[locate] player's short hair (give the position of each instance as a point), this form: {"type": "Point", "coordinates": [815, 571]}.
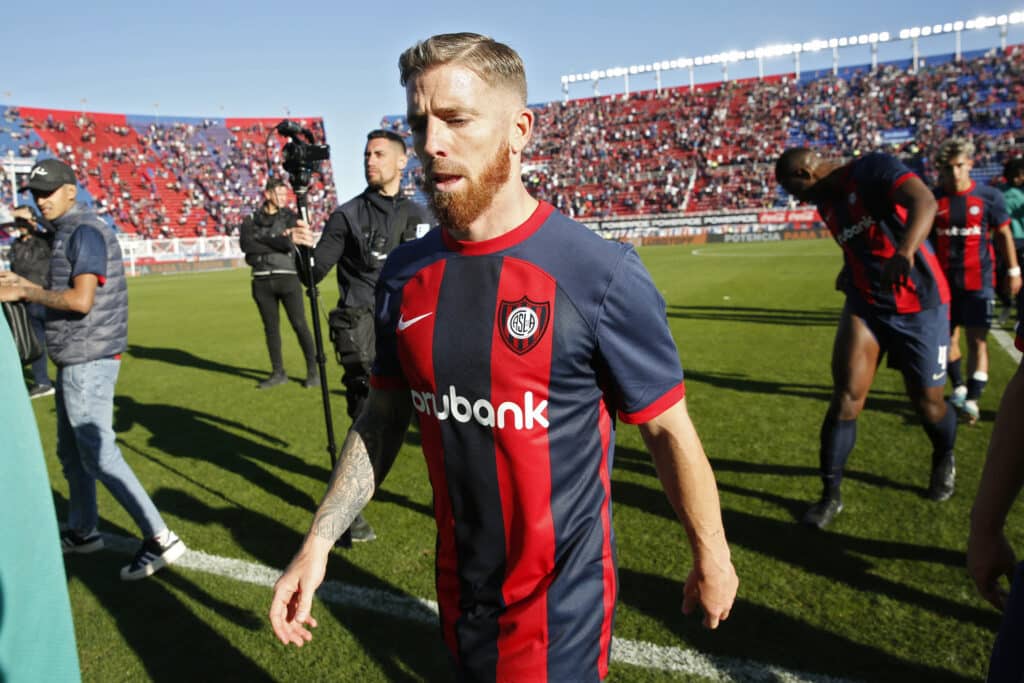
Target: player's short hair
{"type": "Point", "coordinates": [791, 159]}
{"type": "Point", "coordinates": [952, 148]}
{"type": "Point", "coordinates": [496, 63]}
{"type": "Point", "coordinates": [387, 135]}
{"type": "Point", "coordinates": [1013, 168]}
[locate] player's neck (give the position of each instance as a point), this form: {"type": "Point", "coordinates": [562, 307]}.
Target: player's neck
{"type": "Point", "coordinates": [509, 209]}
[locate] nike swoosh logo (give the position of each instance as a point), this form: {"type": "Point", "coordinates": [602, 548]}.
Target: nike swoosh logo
{"type": "Point", "coordinates": [939, 375]}
{"type": "Point", "coordinates": [403, 324]}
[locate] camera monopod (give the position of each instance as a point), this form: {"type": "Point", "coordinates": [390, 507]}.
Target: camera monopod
{"type": "Point", "coordinates": [301, 160]}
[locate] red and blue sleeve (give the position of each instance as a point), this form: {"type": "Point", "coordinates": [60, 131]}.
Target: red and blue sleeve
{"type": "Point", "coordinates": [87, 252]}
{"type": "Point", "coordinates": [635, 342]}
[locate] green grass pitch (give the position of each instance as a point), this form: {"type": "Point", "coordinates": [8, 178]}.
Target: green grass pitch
{"type": "Point", "coordinates": [881, 596]}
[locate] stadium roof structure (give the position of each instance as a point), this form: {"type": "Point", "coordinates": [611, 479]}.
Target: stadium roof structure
{"type": "Point", "coordinates": [794, 50]}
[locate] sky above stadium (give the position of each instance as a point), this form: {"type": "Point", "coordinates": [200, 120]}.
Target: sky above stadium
{"type": "Point", "coordinates": [338, 60]}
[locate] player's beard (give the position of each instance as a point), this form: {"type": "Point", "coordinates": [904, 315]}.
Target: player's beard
{"type": "Point", "coordinates": [457, 210]}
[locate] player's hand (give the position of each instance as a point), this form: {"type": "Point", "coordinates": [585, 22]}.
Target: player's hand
{"type": "Point", "coordinates": [300, 234]}
{"type": "Point", "coordinates": [1013, 283]}
{"type": "Point", "coordinates": [12, 293]}
{"type": "Point", "coordinates": [896, 271]}
{"type": "Point", "coordinates": [990, 557]}
{"type": "Point", "coordinates": [713, 590]}
{"type": "Point", "coordinates": [290, 610]}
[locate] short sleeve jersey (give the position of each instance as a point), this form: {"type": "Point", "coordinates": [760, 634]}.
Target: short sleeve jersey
{"type": "Point", "coordinates": [962, 236]}
{"type": "Point", "coordinates": [518, 352]}
{"type": "Point", "coordinates": [868, 224]}
{"type": "Point", "coordinates": [87, 252]}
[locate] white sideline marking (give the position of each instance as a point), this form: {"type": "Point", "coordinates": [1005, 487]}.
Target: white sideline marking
{"type": "Point", "coordinates": [1006, 341]}
{"type": "Point", "coordinates": [637, 653]}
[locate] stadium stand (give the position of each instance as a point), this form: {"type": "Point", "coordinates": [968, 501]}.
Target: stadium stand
{"type": "Point", "coordinates": [161, 177]}
{"type": "Point", "coordinates": [646, 153]}
{"type": "Point", "coordinates": [714, 148]}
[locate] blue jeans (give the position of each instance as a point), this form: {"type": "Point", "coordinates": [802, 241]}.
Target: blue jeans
{"type": "Point", "coordinates": [1007, 663]}
{"type": "Point", "coordinates": [87, 449]}
{"type": "Point", "coordinates": [37, 316]}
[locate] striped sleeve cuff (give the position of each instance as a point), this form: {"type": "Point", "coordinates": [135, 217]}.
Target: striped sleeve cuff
{"type": "Point", "coordinates": [656, 408]}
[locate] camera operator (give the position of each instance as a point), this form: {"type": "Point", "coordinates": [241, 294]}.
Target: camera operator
{"type": "Point", "coordinates": [357, 238]}
{"type": "Point", "coordinates": [274, 280]}
{"type": "Point", "coordinates": [30, 258]}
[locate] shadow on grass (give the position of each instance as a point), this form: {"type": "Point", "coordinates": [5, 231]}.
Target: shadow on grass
{"type": "Point", "coordinates": [835, 556]}
{"type": "Point", "coordinates": [399, 645]}
{"type": "Point", "coordinates": [823, 317]}
{"type": "Point", "coordinates": [171, 642]}
{"type": "Point", "coordinates": [182, 358]}
{"type": "Point", "coordinates": [640, 462]}
{"type": "Point", "coordinates": [890, 402]}
{"type": "Point", "coordinates": [758, 633]}
{"type": "Point", "coordinates": [185, 433]}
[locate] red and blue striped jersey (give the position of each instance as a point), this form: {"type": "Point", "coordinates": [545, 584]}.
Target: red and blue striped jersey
{"type": "Point", "coordinates": [518, 352]}
{"type": "Point", "coordinates": [869, 226]}
{"type": "Point", "coordinates": [962, 238]}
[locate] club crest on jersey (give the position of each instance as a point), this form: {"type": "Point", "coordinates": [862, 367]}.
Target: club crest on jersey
{"type": "Point", "coordinates": [522, 323]}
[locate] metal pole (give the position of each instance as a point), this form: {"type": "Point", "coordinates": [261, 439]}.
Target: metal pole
{"type": "Point", "coordinates": [625, 80]}
{"type": "Point", "coordinates": [835, 60]}
{"type": "Point", "coordinates": [597, 92]}
{"type": "Point", "coordinates": [657, 79]}
{"type": "Point", "coordinates": [760, 68]}
{"type": "Point", "coordinates": [692, 86]}
{"type": "Point", "coordinates": [1002, 38]}
{"type": "Point", "coordinates": [958, 49]}
{"type": "Point", "coordinates": [874, 56]}
{"type": "Point", "coordinates": [725, 72]}
{"type": "Point", "coordinates": [565, 91]}
{"type": "Point", "coordinates": [796, 64]}
{"type": "Point", "coordinates": [913, 65]}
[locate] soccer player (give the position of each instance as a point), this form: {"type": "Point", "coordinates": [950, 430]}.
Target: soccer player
{"type": "Point", "coordinates": [967, 218]}
{"type": "Point", "coordinates": [897, 302]}
{"type": "Point", "coordinates": [989, 555]}
{"type": "Point", "coordinates": [516, 335]}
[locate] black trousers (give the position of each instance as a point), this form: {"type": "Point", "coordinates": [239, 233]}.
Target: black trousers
{"type": "Point", "coordinates": [270, 290]}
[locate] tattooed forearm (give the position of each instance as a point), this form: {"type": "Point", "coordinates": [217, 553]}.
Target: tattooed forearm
{"type": "Point", "coordinates": [366, 456]}
{"type": "Point", "coordinates": [349, 489]}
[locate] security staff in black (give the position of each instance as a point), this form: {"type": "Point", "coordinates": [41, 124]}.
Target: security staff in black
{"type": "Point", "coordinates": [274, 280]}
{"type": "Point", "coordinates": [357, 238]}
{"type": "Point", "coordinates": [30, 258]}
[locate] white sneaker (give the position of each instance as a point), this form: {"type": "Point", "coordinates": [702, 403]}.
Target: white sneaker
{"type": "Point", "coordinates": [152, 557]}
{"type": "Point", "coordinates": [971, 412]}
{"type": "Point", "coordinates": [958, 397]}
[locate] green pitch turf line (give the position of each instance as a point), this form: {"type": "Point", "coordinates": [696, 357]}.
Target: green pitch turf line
{"type": "Point", "coordinates": [636, 653]}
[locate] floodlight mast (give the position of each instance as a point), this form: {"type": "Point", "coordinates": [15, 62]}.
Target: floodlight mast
{"type": "Point", "coordinates": [913, 35]}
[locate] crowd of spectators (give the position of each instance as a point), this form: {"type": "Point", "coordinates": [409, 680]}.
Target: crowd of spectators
{"type": "Point", "coordinates": [709, 148]}
{"type": "Point", "coordinates": [169, 178]}
{"type": "Point", "coordinates": [713, 148]}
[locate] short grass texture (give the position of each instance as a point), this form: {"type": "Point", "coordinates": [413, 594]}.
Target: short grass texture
{"type": "Point", "coordinates": [881, 596]}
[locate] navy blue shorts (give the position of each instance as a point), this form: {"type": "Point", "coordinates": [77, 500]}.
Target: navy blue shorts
{"type": "Point", "coordinates": [971, 309]}
{"type": "Point", "coordinates": [917, 343]}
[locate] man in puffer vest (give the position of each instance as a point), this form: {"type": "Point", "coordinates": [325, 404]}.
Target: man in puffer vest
{"type": "Point", "coordinates": [86, 302]}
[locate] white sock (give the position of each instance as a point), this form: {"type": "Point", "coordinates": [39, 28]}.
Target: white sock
{"type": "Point", "coordinates": [163, 537]}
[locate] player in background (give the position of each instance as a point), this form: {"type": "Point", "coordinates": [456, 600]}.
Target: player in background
{"type": "Point", "coordinates": [897, 303]}
{"type": "Point", "coordinates": [969, 218]}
